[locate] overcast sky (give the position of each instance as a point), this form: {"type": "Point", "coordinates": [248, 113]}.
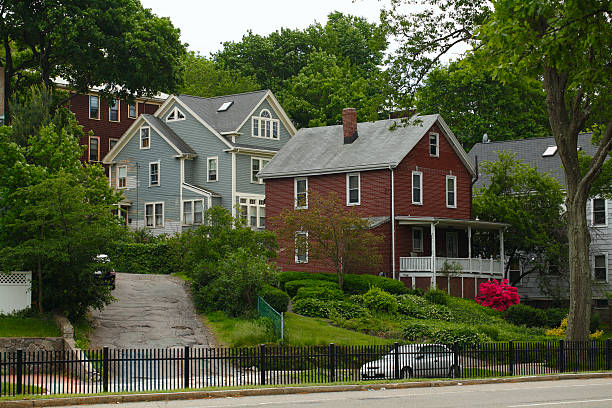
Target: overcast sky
{"type": "Point", "coordinates": [205, 24]}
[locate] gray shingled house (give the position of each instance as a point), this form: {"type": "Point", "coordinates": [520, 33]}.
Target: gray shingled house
{"type": "Point", "coordinates": [542, 154]}
{"type": "Point", "coordinates": [194, 153]}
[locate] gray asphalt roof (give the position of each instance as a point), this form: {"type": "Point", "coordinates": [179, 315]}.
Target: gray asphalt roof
{"type": "Point", "coordinates": [530, 152]}
{"type": "Point", "coordinates": [230, 119]}
{"type": "Point", "coordinates": [169, 134]}
{"type": "Point", "coordinates": [322, 149]}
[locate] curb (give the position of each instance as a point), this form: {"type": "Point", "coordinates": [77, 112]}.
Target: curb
{"type": "Point", "coordinates": [193, 395]}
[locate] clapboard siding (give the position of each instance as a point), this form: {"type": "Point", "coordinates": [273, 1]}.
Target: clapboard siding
{"type": "Point", "coordinates": [245, 131]}
{"type": "Point", "coordinates": [243, 175]}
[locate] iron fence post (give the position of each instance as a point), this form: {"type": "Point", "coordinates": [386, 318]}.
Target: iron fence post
{"type": "Point", "coordinates": [332, 362]}
{"type": "Point", "coordinates": [561, 356]}
{"type": "Point", "coordinates": [186, 374]}
{"type": "Point", "coordinates": [19, 372]}
{"type": "Point", "coordinates": [511, 357]}
{"type": "Point", "coordinates": [105, 369]}
{"type": "Point", "coordinates": [396, 360]}
{"type": "Point", "coordinates": [609, 354]}
{"type": "Point", "coordinates": [262, 357]}
{"type": "Point", "coordinates": [456, 359]}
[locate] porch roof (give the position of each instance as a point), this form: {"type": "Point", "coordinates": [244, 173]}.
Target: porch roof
{"type": "Point", "coordinates": [410, 220]}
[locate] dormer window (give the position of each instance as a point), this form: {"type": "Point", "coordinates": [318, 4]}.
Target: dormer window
{"type": "Point", "coordinates": [174, 115]}
{"type": "Point", "coordinates": [264, 126]}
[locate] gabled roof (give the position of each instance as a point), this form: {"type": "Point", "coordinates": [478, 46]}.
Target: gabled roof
{"type": "Point", "coordinates": [530, 151]}
{"type": "Point", "coordinates": [169, 134]}
{"type": "Point", "coordinates": [380, 144]}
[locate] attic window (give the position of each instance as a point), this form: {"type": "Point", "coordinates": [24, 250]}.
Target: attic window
{"type": "Point", "coordinates": [174, 115]}
{"type": "Point", "coordinates": [225, 106]}
{"type": "Point", "coordinates": [550, 151]}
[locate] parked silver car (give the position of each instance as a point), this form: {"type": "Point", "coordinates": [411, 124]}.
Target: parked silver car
{"type": "Point", "coordinates": [415, 361]}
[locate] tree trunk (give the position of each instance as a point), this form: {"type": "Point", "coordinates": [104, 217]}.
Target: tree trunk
{"type": "Point", "coordinates": [341, 273]}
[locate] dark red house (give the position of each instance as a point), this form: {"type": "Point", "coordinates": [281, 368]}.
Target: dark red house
{"type": "Point", "coordinates": [411, 179]}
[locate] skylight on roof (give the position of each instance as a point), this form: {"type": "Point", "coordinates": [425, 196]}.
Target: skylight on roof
{"type": "Point", "coordinates": [550, 151]}
{"type": "Point", "coordinates": [225, 106]}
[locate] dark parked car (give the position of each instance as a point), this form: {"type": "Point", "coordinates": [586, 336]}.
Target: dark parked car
{"type": "Point", "coordinates": [104, 273]}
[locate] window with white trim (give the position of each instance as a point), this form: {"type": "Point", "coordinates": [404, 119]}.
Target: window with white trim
{"type": "Point", "coordinates": [154, 215]}
{"type": "Point", "coordinates": [94, 107]}
{"type": "Point", "coordinates": [145, 137]}
{"type": "Point", "coordinates": [94, 148]}
{"type": "Point", "coordinates": [264, 126]}
{"type": "Point", "coordinates": [112, 142]}
{"type": "Point", "coordinates": [257, 164]}
{"type": "Point", "coordinates": [417, 187]}
{"type": "Point", "coordinates": [132, 110]}
{"type": "Point", "coordinates": [353, 189]}
{"type": "Point", "coordinates": [175, 115]}
{"type": "Point", "coordinates": [434, 144]}
{"type": "Point", "coordinates": [599, 211]}
{"type": "Point", "coordinates": [113, 111]}
{"type": "Point", "coordinates": [451, 191]}
{"type": "Point", "coordinates": [122, 177]}
{"type": "Point", "coordinates": [417, 239]}
{"type": "Point", "coordinates": [193, 212]}
{"type": "Point", "coordinates": [301, 247]}
{"type": "Point", "coordinates": [253, 211]}
{"type": "Point", "coordinates": [600, 267]}
{"type": "Point", "coordinates": [300, 188]}
{"type": "Point", "coordinates": [154, 173]}
{"type": "Point", "coordinates": [212, 169]}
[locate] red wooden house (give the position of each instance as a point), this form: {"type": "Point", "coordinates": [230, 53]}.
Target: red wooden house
{"type": "Point", "coordinates": [411, 179]}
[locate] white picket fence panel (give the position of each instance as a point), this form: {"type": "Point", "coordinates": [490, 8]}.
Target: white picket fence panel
{"type": "Point", "coordinates": [15, 291]}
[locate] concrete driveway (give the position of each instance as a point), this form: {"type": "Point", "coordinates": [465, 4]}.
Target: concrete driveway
{"type": "Point", "coordinates": [151, 311]}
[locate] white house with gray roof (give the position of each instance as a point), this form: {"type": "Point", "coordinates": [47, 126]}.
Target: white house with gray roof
{"type": "Point", "coordinates": [194, 153]}
{"type": "Point", "coordinates": [541, 153]}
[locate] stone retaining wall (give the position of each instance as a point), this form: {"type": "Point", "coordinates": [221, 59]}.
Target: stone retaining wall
{"type": "Point", "coordinates": [30, 344]}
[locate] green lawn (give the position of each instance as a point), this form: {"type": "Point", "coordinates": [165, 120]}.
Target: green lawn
{"type": "Point", "coordinates": [10, 388]}
{"type": "Point", "coordinates": [37, 326]}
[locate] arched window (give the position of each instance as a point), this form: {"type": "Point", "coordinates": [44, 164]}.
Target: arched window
{"type": "Point", "coordinates": [264, 126]}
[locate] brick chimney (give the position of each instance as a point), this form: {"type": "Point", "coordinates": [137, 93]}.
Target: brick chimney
{"type": "Point", "coordinates": [349, 125]}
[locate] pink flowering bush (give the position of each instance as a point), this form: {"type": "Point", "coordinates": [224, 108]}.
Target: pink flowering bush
{"type": "Point", "coordinates": [496, 295]}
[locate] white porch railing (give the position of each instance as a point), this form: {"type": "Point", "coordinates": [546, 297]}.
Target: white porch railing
{"type": "Point", "coordinates": [469, 266]}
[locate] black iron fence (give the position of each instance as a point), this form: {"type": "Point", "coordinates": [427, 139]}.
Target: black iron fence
{"type": "Point", "coordinates": [117, 370]}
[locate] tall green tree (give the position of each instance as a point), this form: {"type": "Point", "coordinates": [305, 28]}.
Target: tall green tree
{"type": "Point", "coordinates": [117, 45]}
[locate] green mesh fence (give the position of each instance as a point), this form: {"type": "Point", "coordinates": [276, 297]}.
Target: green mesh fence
{"type": "Point", "coordinates": [265, 310]}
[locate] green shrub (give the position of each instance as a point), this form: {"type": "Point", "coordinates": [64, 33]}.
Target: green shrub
{"type": "Point", "coordinates": [555, 315]}
{"type": "Point", "coordinates": [311, 307]}
{"type": "Point", "coordinates": [276, 298]}
{"type": "Point", "coordinates": [524, 315]}
{"type": "Point", "coordinates": [463, 336]}
{"type": "Point", "coordinates": [416, 331]}
{"type": "Point", "coordinates": [347, 310]}
{"type": "Point", "coordinates": [436, 296]}
{"type": "Point", "coordinates": [154, 258]}
{"type": "Point", "coordinates": [292, 287]}
{"type": "Point", "coordinates": [321, 293]}
{"type": "Point", "coordinates": [491, 332]}
{"type": "Point", "coordinates": [289, 276]}
{"type": "Point", "coordinates": [380, 300]}
{"type": "Point", "coordinates": [321, 308]}
{"type": "Point", "coordinates": [595, 322]}
{"type": "Point", "coordinates": [358, 284]}
{"type": "Point", "coordinates": [416, 292]}
{"type": "Point", "coordinates": [418, 307]}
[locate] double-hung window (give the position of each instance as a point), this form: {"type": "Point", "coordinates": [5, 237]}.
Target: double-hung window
{"type": "Point", "coordinates": [193, 212]}
{"type": "Point", "coordinates": [598, 206]}
{"type": "Point", "coordinates": [264, 126]}
{"type": "Point", "coordinates": [253, 211]}
{"type": "Point", "coordinates": [417, 187]}
{"type": "Point", "coordinates": [113, 111]}
{"type": "Point", "coordinates": [112, 142]}
{"type": "Point", "coordinates": [300, 188]}
{"type": "Point", "coordinates": [434, 145]}
{"type": "Point", "coordinates": [122, 177]}
{"type": "Point", "coordinates": [94, 107]}
{"type": "Point", "coordinates": [154, 174]}
{"type": "Point", "coordinates": [154, 215]}
{"type": "Point", "coordinates": [417, 239]}
{"type": "Point", "coordinates": [301, 247]}
{"type": "Point", "coordinates": [600, 268]}
{"type": "Point", "coordinates": [451, 191]}
{"type": "Point", "coordinates": [132, 110]}
{"type": "Point", "coordinates": [145, 138]}
{"type": "Point", "coordinates": [257, 165]}
{"type": "Point", "coordinates": [212, 169]}
{"type": "Point", "coordinates": [94, 148]}
{"type": "Point", "coordinates": [353, 189]}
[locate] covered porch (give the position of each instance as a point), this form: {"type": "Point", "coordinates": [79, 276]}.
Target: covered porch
{"type": "Point", "coordinates": [437, 251]}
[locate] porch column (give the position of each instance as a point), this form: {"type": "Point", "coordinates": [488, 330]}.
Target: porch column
{"type": "Point", "coordinates": [433, 255]}
{"type": "Point", "coordinates": [501, 250]}
{"type": "Point", "coordinates": [469, 249]}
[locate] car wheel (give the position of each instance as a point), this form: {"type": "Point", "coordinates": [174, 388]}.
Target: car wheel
{"type": "Point", "coordinates": [455, 372]}
{"type": "Point", "coordinates": [406, 373]}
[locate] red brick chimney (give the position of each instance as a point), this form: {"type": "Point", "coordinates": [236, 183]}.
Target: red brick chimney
{"type": "Point", "coordinates": [349, 124]}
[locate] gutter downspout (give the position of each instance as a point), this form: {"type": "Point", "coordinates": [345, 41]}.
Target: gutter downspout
{"type": "Point", "coordinates": [392, 222]}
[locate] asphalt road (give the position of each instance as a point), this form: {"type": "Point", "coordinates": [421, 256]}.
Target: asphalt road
{"type": "Point", "coordinates": [151, 311]}
{"type": "Point", "coordinates": [546, 394]}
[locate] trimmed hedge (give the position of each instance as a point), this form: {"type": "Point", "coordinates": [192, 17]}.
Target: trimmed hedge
{"type": "Point", "coordinates": [150, 258]}
{"type": "Point", "coordinates": [379, 300]}
{"type": "Point", "coordinates": [325, 309]}
{"type": "Point", "coordinates": [319, 292]}
{"type": "Point", "coordinates": [276, 298]}
{"type": "Point", "coordinates": [419, 308]}
{"type": "Point", "coordinates": [292, 287]}
{"type": "Point", "coordinates": [525, 315]}
{"type": "Point", "coordinates": [436, 296]}
{"type": "Point", "coordinates": [353, 284]}
{"type": "Point", "coordinates": [289, 276]}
